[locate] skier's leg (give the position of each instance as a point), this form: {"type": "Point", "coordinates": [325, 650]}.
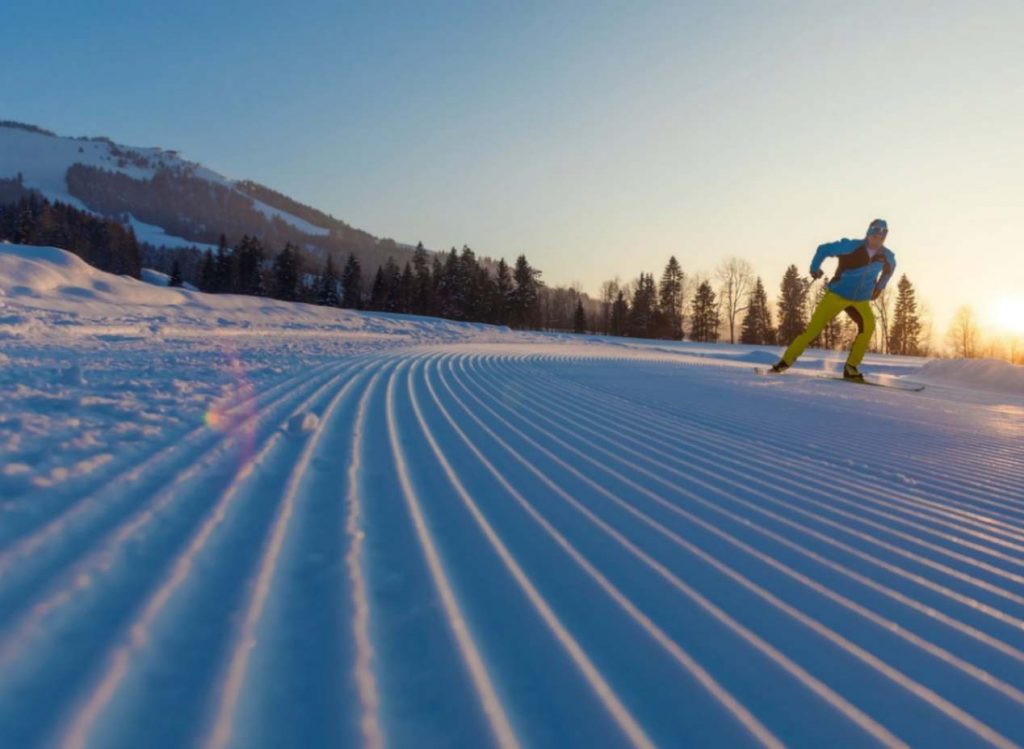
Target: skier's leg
{"type": "Point", "coordinates": [865, 319]}
{"type": "Point", "coordinates": [829, 306]}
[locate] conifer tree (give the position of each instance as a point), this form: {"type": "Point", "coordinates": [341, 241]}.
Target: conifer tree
{"type": "Point", "coordinates": [436, 271]}
{"type": "Point", "coordinates": [392, 286]}
{"type": "Point", "coordinates": [242, 265]}
{"type": "Point", "coordinates": [379, 290]}
{"type": "Point", "coordinates": [469, 282]}
{"type": "Point", "coordinates": [486, 300]}
{"type": "Point", "coordinates": [327, 286]}
{"type": "Point", "coordinates": [905, 336]}
{"type": "Point", "coordinates": [448, 297]}
{"type": "Point", "coordinates": [250, 267]}
{"type": "Point", "coordinates": [352, 284]}
{"type": "Point", "coordinates": [792, 306]}
{"type": "Point", "coordinates": [704, 318]}
{"type": "Point", "coordinates": [257, 281]}
{"type": "Point", "coordinates": [25, 228]}
{"type": "Point", "coordinates": [423, 285]}
{"type": "Point", "coordinates": [670, 299]}
{"type": "Point", "coordinates": [226, 276]}
{"type": "Point", "coordinates": [176, 280]}
{"type": "Point", "coordinates": [406, 289]}
{"type": "Point", "coordinates": [620, 315]}
{"type": "Point", "coordinates": [524, 308]}
{"type": "Point", "coordinates": [757, 323]}
{"type": "Point", "coordinates": [641, 311]}
{"type": "Point", "coordinates": [579, 324]}
{"type": "Point", "coordinates": [208, 273]}
{"type": "Point", "coordinates": [502, 293]}
{"type": "Point", "coordinates": [286, 274]}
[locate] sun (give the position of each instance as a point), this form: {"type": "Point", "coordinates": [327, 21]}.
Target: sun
{"type": "Point", "coordinates": [1007, 315]}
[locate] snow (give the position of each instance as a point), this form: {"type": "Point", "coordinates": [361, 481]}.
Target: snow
{"type": "Point", "coordinates": [299, 223]}
{"type": "Point", "coordinates": [158, 278]}
{"type": "Point", "coordinates": [228, 521]}
{"type": "Point", "coordinates": [43, 161]}
{"type": "Point", "coordinates": [987, 374]}
{"type": "Point", "coordinates": [157, 237]}
{"type": "Point", "coordinates": [303, 423]}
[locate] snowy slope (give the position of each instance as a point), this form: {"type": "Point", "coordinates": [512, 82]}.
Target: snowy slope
{"type": "Point", "coordinates": [297, 534]}
{"type": "Point", "coordinates": [43, 160]}
{"type": "Point", "coordinates": [157, 237]}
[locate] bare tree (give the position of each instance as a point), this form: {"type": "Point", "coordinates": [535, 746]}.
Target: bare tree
{"type": "Point", "coordinates": [629, 287]}
{"type": "Point", "coordinates": [1015, 350]}
{"type": "Point", "coordinates": [882, 307]}
{"type": "Point", "coordinates": [736, 279]}
{"type": "Point", "coordinates": [964, 336]}
{"type": "Point", "coordinates": [609, 290]}
{"type": "Point", "coordinates": [927, 329]}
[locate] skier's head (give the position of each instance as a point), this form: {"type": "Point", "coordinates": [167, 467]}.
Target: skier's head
{"type": "Point", "coordinates": [878, 226]}
{"type": "Point", "coordinates": [877, 231]}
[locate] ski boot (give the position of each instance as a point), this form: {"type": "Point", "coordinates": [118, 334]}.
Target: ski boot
{"type": "Point", "coordinates": [850, 372]}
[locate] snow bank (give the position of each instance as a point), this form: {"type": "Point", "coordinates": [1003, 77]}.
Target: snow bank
{"type": "Point", "coordinates": [156, 278]}
{"type": "Point", "coordinates": [984, 374]}
{"type": "Point", "coordinates": [52, 278]}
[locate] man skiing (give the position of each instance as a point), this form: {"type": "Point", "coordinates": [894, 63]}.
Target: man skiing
{"type": "Point", "coordinates": [865, 267]}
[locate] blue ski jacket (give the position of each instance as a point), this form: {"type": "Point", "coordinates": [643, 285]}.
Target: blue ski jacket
{"type": "Point", "coordinates": [859, 276]}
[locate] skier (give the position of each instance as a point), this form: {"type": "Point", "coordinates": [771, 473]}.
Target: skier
{"type": "Point", "coordinates": [865, 267]}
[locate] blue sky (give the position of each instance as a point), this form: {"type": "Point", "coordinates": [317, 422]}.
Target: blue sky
{"type": "Point", "coordinates": [596, 137]}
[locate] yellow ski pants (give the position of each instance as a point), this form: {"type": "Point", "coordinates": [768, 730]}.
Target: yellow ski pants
{"type": "Point", "coordinates": [830, 306]}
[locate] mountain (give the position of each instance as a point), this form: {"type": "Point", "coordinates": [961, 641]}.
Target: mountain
{"type": "Point", "coordinates": [171, 202]}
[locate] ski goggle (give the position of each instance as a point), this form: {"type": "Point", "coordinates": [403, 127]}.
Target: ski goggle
{"type": "Point", "coordinates": [878, 227]}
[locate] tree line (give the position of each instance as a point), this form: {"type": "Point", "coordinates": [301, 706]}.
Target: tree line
{"type": "Point", "coordinates": [454, 285]}
{"type": "Point", "coordinates": [734, 304]}
{"type": "Point", "coordinates": [103, 243]}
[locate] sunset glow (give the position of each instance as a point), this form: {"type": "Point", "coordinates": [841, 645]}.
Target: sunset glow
{"type": "Point", "coordinates": [1006, 315]}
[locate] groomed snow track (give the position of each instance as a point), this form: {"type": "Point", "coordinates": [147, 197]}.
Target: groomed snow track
{"type": "Point", "coordinates": [501, 545]}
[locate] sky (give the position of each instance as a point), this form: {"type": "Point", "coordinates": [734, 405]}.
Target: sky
{"type": "Point", "coordinates": [598, 138]}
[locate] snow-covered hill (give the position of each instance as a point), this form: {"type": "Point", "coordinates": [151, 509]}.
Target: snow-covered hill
{"type": "Point", "coordinates": [43, 161]}
{"type": "Point", "coordinates": [171, 202]}
{"type": "Point", "coordinates": [228, 521]}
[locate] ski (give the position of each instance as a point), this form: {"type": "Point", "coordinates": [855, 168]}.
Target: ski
{"type": "Point", "coordinates": [884, 381]}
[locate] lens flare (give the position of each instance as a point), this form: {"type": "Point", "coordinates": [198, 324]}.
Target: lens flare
{"type": "Point", "coordinates": [215, 418]}
{"type": "Point", "coordinates": [231, 413]}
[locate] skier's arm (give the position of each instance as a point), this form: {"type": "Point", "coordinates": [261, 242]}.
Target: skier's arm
{"type": "Point", "coordinates": [890, 268]}
{"type": "Point", "coordinates": [831, 249]}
